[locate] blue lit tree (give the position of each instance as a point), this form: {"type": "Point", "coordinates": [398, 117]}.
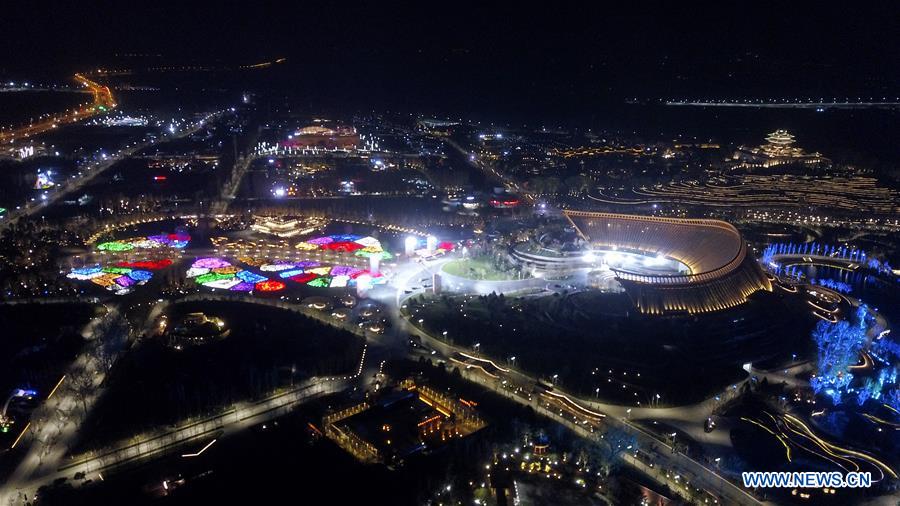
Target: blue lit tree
{"type": "Point", "coordinates": [862, 316]}
{"type": "Point", "coordinates": [863, 394]}
{"type": "Point", "coordinates": [838, 286]}
{"type": "Point", "coordinates": [838, 347]}
{"type": "Point", "coordinates": [892, 399]}
{"type": "Point", "coordinates": [887, 350]}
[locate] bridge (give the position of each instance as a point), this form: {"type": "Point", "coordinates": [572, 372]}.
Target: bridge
{"type": "Point", "coordinates": [775, 104]}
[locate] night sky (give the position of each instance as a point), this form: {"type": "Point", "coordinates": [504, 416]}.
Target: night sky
{"type": "Point", "coordinates": [457, 52]}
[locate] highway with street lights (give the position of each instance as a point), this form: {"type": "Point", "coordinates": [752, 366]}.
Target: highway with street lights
{"type": "Point", "coordinates": [102, 103]}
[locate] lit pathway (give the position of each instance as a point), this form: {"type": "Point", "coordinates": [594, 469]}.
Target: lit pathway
{"type": "Point", "coordinates": [54, 424]}
{"type": "Point", "coordinates": [240, 417]}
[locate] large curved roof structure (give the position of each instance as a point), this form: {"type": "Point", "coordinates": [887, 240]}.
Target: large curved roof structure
{"type": "Point", "coordinates": [722, 273]}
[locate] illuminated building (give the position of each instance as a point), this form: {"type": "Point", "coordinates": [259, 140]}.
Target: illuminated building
{"type": "Point", "coordinates": [321, 137]}
{"type": "Point", "coordinates": [504, 202]}
{"type": "Point", "coordinates": [437, 126]}
{"type": "Point", "coordinates": [402, 422]}
{"type": "Point", "coordinates": [195, 329]}
{"type": "Point", "coordinates": [779, 149]}
{"type": "Point", "coordinates": [780, 143]}
{"type": "Point", "coordinates": [541, 444]}
{"type": "Point", "coordinates": [721, 273]}
{"type": "Point", "coordinates": [714, 269]}
{"type": "Point", "coordinates": [286, 227]}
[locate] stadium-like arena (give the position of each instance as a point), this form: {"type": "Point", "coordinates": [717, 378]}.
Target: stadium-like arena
{"type": "Point", "coordinates": [720, 272]}
{"type": "Point", "coordinates": [665, 265]}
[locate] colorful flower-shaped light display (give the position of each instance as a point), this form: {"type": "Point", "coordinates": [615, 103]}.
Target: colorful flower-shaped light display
{"type": "Point", "coordinates": [270, 286]}
{"type": "Point", "coordinates": [277, 267]}
{"type": "Point", "coordinates": [322, 282]}
{"type": "Point", "coordinates": [214, 272]}
{"type": "Point", "coordinates": [211, 263]}
{"type": "Point", "coordinates": [322, 276]}
{"type": "Point", "coordinates": [343, 246]}
{"type": "Point", "coordinates": [153, 265]}
{"type": "Point", "coordinates": [250, 277]}
{"type": "Point", "coordinates": [116, 279]}
{"type": "Point", "coordinates": [176, 241]}
{"type": "Point", "coordinates": [303, 278]}
{"type": "Point", "coordinates": [362, 246]}
{"type": "Point", "coordinates": [321, 241]}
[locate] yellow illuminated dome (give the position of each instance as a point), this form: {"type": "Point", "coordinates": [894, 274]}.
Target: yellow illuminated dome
{"type": "Point", "coordinates": [722, 273]}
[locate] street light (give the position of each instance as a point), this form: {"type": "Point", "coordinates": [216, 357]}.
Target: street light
{"type": "Point", "coordinates": [410, 245]}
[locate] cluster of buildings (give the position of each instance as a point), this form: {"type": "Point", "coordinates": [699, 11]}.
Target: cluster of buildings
{"type": "Point", "coordinates": [335, 137]}
{"type": "Point", "coordinates": [410, 419]}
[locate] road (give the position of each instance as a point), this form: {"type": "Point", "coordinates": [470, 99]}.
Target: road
{"type": "Point", "coordinates": [93, 169]}
{"type": "Point", "coordinates": [103, 101]}
{"type": "Point", "coordinates": [490, 172]}
{"type": "Point", "coordinates": [188, 438]}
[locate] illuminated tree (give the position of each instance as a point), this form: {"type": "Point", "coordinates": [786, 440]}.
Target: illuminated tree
{"type": "Point", "coordinates": [838, 347]}
{"type": "Point", "coordinates": [866, 392]}
{"type": "Point", "coordinates": [613, 444]}
{"type": "Point", "coordinates": [892, 399]}
{"type": "Point", "coordinates": [862, 316]}
{"type": "Point", "coordinates": [886, 349]}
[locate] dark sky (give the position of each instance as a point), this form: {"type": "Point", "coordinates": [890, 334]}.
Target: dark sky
{"type": "Point", "coordinates": [723, 49]}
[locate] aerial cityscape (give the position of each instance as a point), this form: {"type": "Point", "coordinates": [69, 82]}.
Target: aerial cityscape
{"type": "Point", "coordinates": [449, 255]}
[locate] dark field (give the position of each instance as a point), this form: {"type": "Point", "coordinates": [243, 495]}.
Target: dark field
{"type": "Point", "coordinates": [154, 384]}
{"type": "Point", "coordinates": [593, 340]}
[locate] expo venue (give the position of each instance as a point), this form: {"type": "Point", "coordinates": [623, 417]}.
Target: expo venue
{"type": "Point", "coordinates": [665, 265]}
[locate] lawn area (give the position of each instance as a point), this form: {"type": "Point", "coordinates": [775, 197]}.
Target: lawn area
{"type": "Point", "coordinates": [479, 269]}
